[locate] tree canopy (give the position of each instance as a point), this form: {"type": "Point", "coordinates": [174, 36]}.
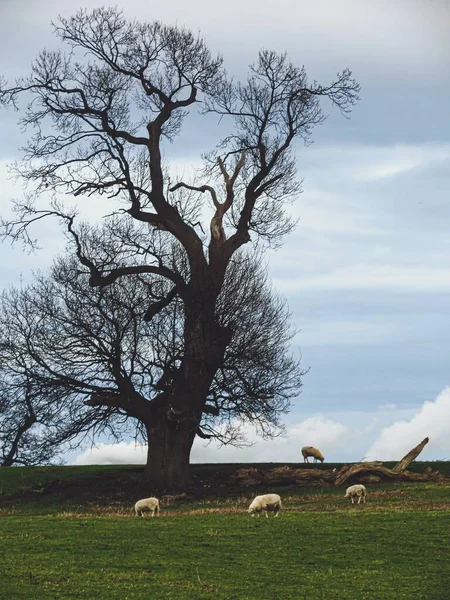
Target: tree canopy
{"type": "Point", "coordinates": [65, 345]}
{"type": "Point", "coordinates": [100, 114]}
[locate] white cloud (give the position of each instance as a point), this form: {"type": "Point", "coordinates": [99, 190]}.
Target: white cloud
{"type": "Point", "coordinates": [370, 277]}
{"type": "Point", "coordinates": [360, 228]}
{"type": "Point", "coordinates": [325, 332]}
{"type": "Point", "coordinates": [399, 39]}
{"type": "Point", "coordinates": [390, 432]}
{"type": "Point", "coordinates": [122, 453]}
{"type": "Point", "coordinates": [365, 162]}
{"type": "Point", "coordinates": [432, 420]}
{"type": "Point", "coordinates": [388, 407]}
{"type": "Point", "coordinates": [395, 160]}
{"type": "Point", "coordinates": [327, 434]}
{"type": "Point", "coordinates": [388, 169]}
{"type": "Point", "coordinates": [319, 431]}
{"type": "Point", "coordinates": [321, 211]}
{"type": "Point", "coordinates": [18, 264]}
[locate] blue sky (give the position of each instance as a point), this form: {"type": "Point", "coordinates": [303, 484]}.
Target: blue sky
{"type": "Point", "coordinates": [367, 271]}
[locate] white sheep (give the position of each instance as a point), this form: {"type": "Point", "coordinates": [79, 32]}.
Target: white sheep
{"type": "Point", "coordinates": [147, 504]}
{"type": "Point", "coordinates": [312, 452]}
{"type": "Point", "coordinates": [358, 490]}
{"type": "Point", "coordinates": [267, 502]}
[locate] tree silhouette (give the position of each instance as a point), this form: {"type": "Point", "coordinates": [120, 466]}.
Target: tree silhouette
{"type": "Point", "coordinates": [66, 345]}
{"type": "Point", "coordinates": [101, 114]}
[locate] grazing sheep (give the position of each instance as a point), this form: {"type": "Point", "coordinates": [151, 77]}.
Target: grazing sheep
{"type": "Point", "coordinates": [147, 504]}
{"type": "Point", "coordinates": [357, 490]}
{"type": "Point", "coordinates": [313, 452]}
{"type": "Point", "coordinates": [268, 502]}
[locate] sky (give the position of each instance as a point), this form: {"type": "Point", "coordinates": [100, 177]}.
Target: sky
{"type": "Point", "coordinates": [367, 270]}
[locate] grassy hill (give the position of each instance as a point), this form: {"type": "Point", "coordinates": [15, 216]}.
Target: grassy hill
{"type": "Point", "coordinates": [70, 533]}
{"type": "Point", "coordinates": [114, 487]}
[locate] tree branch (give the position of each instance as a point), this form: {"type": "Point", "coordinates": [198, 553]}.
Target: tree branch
{"type": "Point", "coordinates": [202, 189]}
{"type": "Point", "coordinates": [157, 307]}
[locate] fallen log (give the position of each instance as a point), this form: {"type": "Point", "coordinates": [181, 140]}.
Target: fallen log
{"type": "Point", "coordinates": [366, 472]}
{"type": "Point", "coordinates": [369, 472]}
{"type": "Point", "coordinates": [349, 472]}
{"type": "Point", "coordinates": [376, 471]}
{"type": "Point", "coordinates": [283, 476]}
{"type": "Point", "coordinates": [249, 476]}
{"type": "Point", "coordinates": [412, 455]}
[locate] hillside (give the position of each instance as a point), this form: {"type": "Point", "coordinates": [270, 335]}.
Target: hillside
{"type": "Point", "coordinates": [71, 533]}
{"type": "Point", "coordinates": [116, 487]}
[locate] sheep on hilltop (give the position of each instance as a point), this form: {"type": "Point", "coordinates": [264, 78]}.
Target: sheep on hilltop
{"type": "Point", "coordinates": [310, 451]}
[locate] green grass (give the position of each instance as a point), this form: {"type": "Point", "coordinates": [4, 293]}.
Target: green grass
{"type": "Point", "coordinates": [357, 554]}
{"type": "Point", "coordinates": [18, 479]}
{"type": "Point", "coordinates": [206, 546]}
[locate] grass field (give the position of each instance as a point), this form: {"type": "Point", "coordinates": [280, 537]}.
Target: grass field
{"type": "Point", "coordinates": [66, 535]}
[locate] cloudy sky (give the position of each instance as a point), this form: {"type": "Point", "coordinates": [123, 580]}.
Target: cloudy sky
{"type": "Point", "coordinates": [367, 271]}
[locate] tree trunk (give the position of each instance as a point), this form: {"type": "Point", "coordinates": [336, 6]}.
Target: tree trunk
{"type": "Point", "coordinates": [412, 455]}
{"type": "Point", "coordinates": [172, 430]}
{"type": "Point", "coordinates": [170, 441]}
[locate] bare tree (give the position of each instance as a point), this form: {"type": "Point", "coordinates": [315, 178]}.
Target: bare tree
{"type": "Point", "coordinates": [73, 344]}
{"type": "Point", "coordinates": [110, 102]}
{"type": "Point", "coordinates": [29, 416]}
